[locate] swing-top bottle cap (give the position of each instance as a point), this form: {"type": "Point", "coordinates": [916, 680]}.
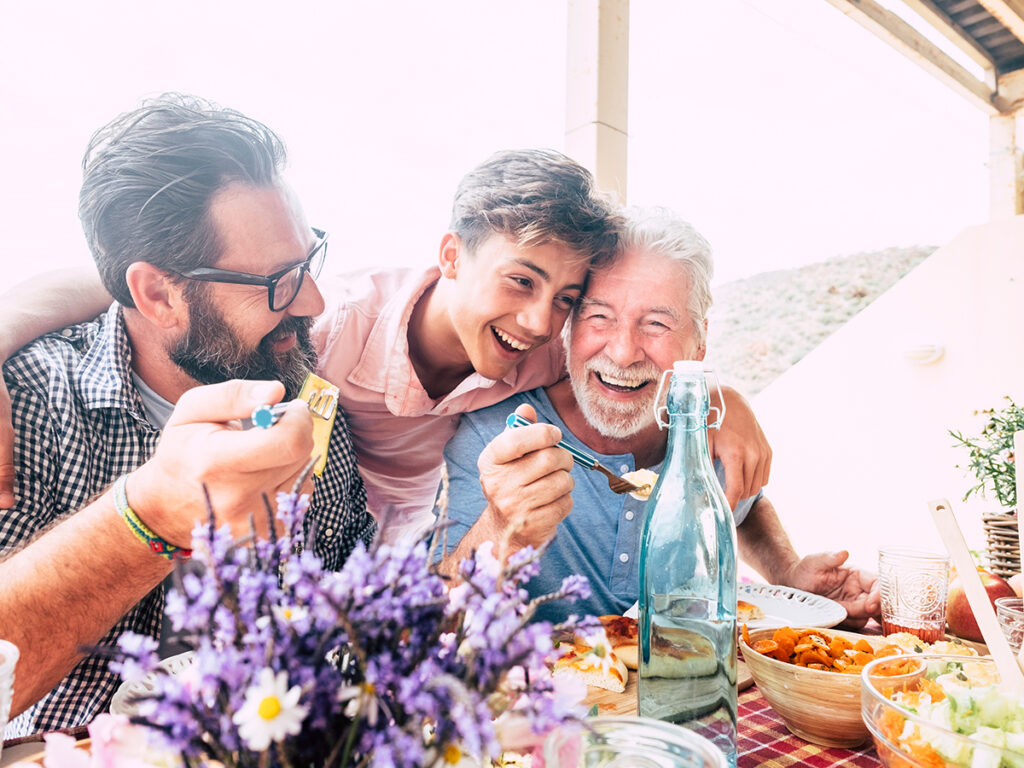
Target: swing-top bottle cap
{"type": "Point", "coordinates": [689, 367]}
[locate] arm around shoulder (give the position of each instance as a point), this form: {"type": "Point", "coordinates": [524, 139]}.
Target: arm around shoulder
{"type": "Point", "coordinates": [48, 302]}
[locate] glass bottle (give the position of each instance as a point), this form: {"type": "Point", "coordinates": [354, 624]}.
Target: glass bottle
{"type": "Point", "coordinates": [687, 622]}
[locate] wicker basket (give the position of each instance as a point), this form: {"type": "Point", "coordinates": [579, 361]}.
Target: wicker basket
{"type": "Point", "coordinates": [1002, 545]}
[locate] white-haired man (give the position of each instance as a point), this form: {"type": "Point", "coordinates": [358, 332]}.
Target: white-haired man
{"type": "Point", "coordinates": [639, 315]}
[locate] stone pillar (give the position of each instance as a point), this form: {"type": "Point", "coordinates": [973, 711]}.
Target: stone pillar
{"type": "Point", "coordinates": [597, 79]}
{"type": "Point", "coordinates": [1006, 150]}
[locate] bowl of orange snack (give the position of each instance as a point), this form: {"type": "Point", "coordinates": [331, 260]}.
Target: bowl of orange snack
{"type": "Point", "coordinates": [811, 678]}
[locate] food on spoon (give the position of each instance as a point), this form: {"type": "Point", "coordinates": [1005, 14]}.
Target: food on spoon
{"type": "Point", "coordinates": [747, 612]}
{"type": "Point", "coordinates": [646, 479]}
{"type": "Point", "coordinates": [593, 661]}
{"type": "Point", "coordinates": [624, 638]}
{"type": "Point", "coordinates": [322, 398]}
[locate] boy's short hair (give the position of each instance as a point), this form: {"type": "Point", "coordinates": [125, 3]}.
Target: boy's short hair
{"type": "Point", "coordinates": [535, 197]}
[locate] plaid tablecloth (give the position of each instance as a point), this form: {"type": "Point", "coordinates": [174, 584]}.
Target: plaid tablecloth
{"type": "Point", "coordinates": [764, 741]}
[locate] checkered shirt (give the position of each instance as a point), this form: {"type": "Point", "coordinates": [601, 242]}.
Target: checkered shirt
{"type": "Point", "coordinates": [79, 424]}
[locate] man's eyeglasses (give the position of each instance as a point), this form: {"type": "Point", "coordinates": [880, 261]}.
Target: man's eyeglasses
{"type": "Point", "coordinates": [282, 287]}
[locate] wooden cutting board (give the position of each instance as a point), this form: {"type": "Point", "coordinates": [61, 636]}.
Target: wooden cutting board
{"type": "Point", "coordinates": [609, 703]}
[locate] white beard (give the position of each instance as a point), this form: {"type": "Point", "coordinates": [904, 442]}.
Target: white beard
{"type": "Point", "coordinates": [611, 418]}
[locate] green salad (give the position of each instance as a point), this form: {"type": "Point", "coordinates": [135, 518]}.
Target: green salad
{"type": "Point", "coordinates": [962, 718]}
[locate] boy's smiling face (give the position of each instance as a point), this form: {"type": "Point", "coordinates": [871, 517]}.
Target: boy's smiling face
{"type": "Point", "coordinates": [508, 299]}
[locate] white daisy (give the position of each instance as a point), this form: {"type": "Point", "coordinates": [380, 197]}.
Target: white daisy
{"type": "Point", "coordinates": [271, 711]}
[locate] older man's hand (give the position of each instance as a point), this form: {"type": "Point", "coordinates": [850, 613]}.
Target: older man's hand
{"type": "Point", "coordinates": [199, 446]}
{"type": "Point", "coordinates": [742, 448]}
{"type": "Point", "coordinates": [855, 589]}
{"type": "Point", "coordinates": [526, 479]}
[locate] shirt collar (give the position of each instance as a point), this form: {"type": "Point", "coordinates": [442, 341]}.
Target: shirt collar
{"type": "Point", "coordinates": [104, 375]}
{"type": "Point", "coordinates": [385, 364]}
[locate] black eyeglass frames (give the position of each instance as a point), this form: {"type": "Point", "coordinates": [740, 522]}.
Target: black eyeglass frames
{"type": "Point", "coordinates": [282, 286]}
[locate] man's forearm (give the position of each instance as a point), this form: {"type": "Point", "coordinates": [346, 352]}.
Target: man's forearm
{"type": "Point", "coordinates": [67, 589]}
{"type": "Point", "coordinates": [483, 530]}
{"type": "Point", "coordinates": [764, 544]}
{"type": "Point", "coordinates": [46, 302]}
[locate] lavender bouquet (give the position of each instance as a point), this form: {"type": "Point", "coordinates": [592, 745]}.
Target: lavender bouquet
{"type": "Point", "coordinates": [378, 664]}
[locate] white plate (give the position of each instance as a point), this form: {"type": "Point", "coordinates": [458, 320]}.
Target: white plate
{"type": "Point", "coordinates": [122, 702]}
{"type": "Point", "coordinates": [785, 606]}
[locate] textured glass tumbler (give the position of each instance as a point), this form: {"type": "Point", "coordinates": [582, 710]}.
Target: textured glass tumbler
{"type": "Point", "coordinates": [8, 658]}
{"type": "Point", "coordinates": [913, 584]}
{"type": "Point", "coordinates": [630, 742]}
{"type": "Point", "coordinates": [1010, 613]}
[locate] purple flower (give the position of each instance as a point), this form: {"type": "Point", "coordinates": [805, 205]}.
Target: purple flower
{"type": "Point", "coordinates": [380, 655]}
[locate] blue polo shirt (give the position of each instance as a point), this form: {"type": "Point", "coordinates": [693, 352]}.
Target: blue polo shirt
{"type": "Point", "coordinates": [599, 539]}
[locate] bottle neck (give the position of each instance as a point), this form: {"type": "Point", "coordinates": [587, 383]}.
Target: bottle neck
{"type": "Point", "coordinates": [688, 405]}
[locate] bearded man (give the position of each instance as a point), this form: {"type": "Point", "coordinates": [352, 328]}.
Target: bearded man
{"type": "Point", "coordinates": [211, 264]}
{"type": "Point", "coordinates": [638, 316]}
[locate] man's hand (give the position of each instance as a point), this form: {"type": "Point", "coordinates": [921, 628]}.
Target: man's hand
{"type": "Point", "coordinates": [742, 448]}
{"type": "Point", "coordinates": [855, 589]}
{"type": "Point", "coordinates": [526, 479]}
{"type": "Point", "coordinates": [198, 447]}
{"type": "Point", "coordinates": [6, 449]}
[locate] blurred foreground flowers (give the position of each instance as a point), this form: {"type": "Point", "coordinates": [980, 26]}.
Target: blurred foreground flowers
{"type": "Point", "coordinates": [378, 664]}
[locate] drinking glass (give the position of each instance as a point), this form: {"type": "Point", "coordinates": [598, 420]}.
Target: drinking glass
{"type": "Point", "coordinates": [1010, 613]}
{"type": "Point", "coordinates": [631, 742]}
{"type": "Point", "coordinates": [913, 586]}
{"type": "Point", "coordinates": [8, 658]}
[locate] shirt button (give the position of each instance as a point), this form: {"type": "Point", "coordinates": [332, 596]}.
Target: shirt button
{"type": "Point", "coordinates": [623, 558]}
{"type": "Point", "coordinates": [624, 468]}
{"type": "Point", "coordinates": [629, 515]}
{"type": "Point", "coordinates": [66, 333]}
{"type": "Point", "coordinates": [329, 532]}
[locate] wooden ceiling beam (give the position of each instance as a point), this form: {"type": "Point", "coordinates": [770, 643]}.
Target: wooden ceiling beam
{"type": "Point", "coordinates": [956, 34]}
{"type": "Point", "coordinates": [915, 46]}
{"type": "Point", "coordinates": [1009, 13]}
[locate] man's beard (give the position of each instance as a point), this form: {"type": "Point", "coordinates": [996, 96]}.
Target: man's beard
{"type": "Point", "coordinates": [211, 352]}
{"type": "Point", "coordinates": [611, 418]}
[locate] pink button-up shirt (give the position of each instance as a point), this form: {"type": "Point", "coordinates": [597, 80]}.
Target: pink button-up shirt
{"type": "Point", "coordinates": [398, 430]}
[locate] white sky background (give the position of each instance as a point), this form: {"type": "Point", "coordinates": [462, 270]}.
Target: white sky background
{"type": "Point", "coordinates": [783, 130]}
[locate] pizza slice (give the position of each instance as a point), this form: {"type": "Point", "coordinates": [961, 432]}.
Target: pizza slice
{"type": "Point", "coordinates": [624, 638]}
{"type": "Point", "coordinates": [593, 662]}
{"type": "Point", "coordinates": [746, 612]}
{"type": "Point", "coordinates": [678, 652]}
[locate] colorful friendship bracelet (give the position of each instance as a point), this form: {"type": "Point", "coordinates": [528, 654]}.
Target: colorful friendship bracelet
{"type": "Point", "coordinates": [142, 532]}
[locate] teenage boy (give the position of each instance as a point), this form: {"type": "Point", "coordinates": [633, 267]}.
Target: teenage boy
{"type": "Point", "coordinates": [410, 350]}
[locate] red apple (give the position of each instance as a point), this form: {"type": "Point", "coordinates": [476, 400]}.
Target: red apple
{"type": "Point", "coordinates": [958, 611]}
{"type": "Point", "coordinates": [1016, 582]}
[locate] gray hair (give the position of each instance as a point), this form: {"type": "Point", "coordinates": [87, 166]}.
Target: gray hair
{"type": "Point", "coordinates": [150, 175]}
{"type": "Point", "coordinates": [661, 231]}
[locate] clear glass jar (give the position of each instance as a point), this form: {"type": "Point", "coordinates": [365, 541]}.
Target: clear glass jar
{"type": "Point", "coordinates": [1010, 613]}
{"type": "Point", "coordinates": [633, 742]}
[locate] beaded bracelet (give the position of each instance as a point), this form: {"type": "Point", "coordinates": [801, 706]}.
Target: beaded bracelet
{"type": "Point", "coordinates": [142, 532]}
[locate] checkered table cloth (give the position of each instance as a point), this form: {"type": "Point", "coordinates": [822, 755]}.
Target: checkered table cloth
{"type": "Point", "coordinates": [764, 741]}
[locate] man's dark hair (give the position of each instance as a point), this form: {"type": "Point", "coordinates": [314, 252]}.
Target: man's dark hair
{"type": "Point", "coordinates": [150, 175]}
{"type": "Point", "coordinates": [535, 197]}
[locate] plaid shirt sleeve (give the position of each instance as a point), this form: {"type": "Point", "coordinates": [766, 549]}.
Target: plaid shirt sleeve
{"type": "Point", "coordinates": [337, 508]}
{"type": "Point", "coordinates": [60, 466]}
